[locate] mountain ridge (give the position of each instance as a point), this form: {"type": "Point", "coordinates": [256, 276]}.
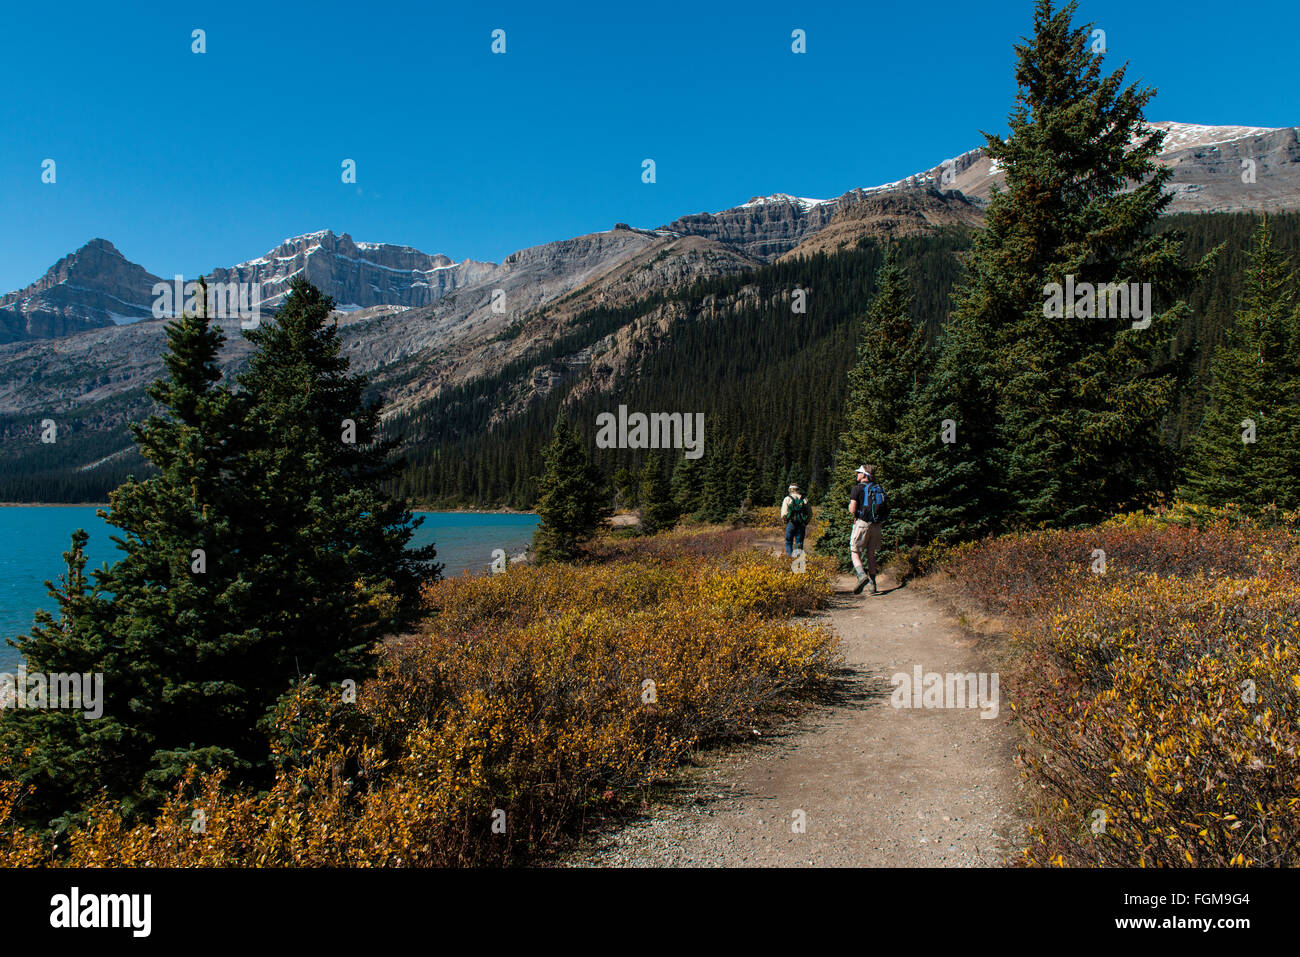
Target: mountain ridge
{"type": "Point", "coordinates": [572, 313]}
{"type": "Point", "coordinates": [1210, 165]}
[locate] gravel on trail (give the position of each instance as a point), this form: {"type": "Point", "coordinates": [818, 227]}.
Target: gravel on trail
{"type": "Point", "coordinates": [854, 781]}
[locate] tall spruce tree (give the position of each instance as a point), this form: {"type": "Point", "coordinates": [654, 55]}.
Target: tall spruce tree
{"type": "Point", "coordinates": [627, 484]}
{"type": "Point", "coordinates": [181, 619]}
{"type": "Point", "coordinates": [1058, 416]}
{"type": "Point", "coordinates": [573, 499]}
{"type": "Point", "coordinates": [333, 569]}
{"type": "Point", "coordinates": [1247, 451]}
{"type": "Point", "coordinates": [716, 495]}
{"type": "Point", "coordinates": [177, 610]}
{"type": "Point", "coordinates": [743, 487]}
{"type": "Point", "coordinates": [686, 486]}
{"type": "Point", "coordinates": [65, 756]}
{"type": "Point", "coordinates": [948, 482]}
{"type": "Point", "coordinates": [883, 387]}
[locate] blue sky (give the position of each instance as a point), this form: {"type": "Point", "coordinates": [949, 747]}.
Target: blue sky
{"type": "Point", "coordinates": [189, 161]}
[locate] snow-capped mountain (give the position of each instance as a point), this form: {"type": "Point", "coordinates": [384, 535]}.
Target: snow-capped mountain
{"type": "Point", "coordinates": [1216, 168]}
{"type": "Point", "coordinates": [356, 275]}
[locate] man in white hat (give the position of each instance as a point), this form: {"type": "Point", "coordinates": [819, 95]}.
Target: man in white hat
{"type": "Point", "coordinates": [797, 513]}
{"type": "Point", "coordinates": [869, 507]}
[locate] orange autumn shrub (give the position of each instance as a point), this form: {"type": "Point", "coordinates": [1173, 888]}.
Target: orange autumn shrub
{"type": "Point", "coordinates": [1160, 701]}
{"type": "Point", "coordinates": [1021, 574]}
{"type": "Point", "coordinates": [527, 702]}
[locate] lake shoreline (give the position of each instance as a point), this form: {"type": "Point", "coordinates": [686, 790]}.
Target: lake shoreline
{"type": "Point", "coordinates": [36, 538]}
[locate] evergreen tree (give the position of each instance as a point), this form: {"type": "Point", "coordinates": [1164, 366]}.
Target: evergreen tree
{"type": "Point", "coordinates": [1069, 426]}
{"type": "Point", "coordinates": [884, 385]}
{"type": "Point", "coordinates": [63, 755]}
{"type": "Point", "coordinates": [743, 481]}
{"type": "Point", "coordinates": [261, 551]}
{"type": "Point", "coordinates": [177, 592]}
{"type": "Point", "coordinates": [658, 510]}
{"type": "Point", "coordinates": [627, 487]}
{"type": "Point", "coordinates": [686, 486]}
{"type": "Point", "coordinates": [948, 486]}
{"type": "Point", "coordinates": [333, 571]}
{"type": "Point", "coordinates": [1247, 451]}
{"type": "Point", "coordinates": [572, 501]}
{"type": "Point", "coordinates": [716, 497]}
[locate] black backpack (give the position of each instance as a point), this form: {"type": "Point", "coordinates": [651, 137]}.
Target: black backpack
{"type": "Point", "coordinates": [800, 511]}
{"type": "Point", "coordinates": [875, 503]}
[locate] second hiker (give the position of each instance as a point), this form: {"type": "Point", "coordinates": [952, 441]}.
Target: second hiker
{"type": "Point", "coordinates": [797, 513]}
{"type": "Point", "coordinates": [869, 507]}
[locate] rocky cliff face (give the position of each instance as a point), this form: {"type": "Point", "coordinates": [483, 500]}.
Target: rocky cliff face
{"type": "Point", "coordinates": [92, 287]}
{"type": "Point", "coordinates": [1215, 168]}
{"type": "Point", "coordinates": [355, 274]}
{"type": "Point", "coordinates": [1250, 170]}
{"type": "Point", "coordinates": [764, 227]}
{"type": "Point", "coordinates": [95, 381]}
{"type": "Point", "coordinates": [538, 291]}
{"type": "Point", "coordinates": [418, 322]}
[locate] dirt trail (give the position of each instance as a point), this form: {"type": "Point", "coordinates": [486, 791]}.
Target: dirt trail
{"type": "Point", "coordinates": [878, 785]}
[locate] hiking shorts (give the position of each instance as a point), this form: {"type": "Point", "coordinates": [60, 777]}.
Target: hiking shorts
{"type": "Point", "coordinates": [865, 538]}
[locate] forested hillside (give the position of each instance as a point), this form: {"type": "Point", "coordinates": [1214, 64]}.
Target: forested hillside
{"type": "Point", "coordinates": [762, 372]}
{"type": "Point", "coordinates": [741, 356]}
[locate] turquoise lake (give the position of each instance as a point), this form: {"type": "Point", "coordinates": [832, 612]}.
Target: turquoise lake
{"type": "Point", "coordinates": [33, 540]}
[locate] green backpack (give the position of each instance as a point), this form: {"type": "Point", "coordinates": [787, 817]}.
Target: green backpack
{"type": "Point", "coordinates": [800, 511]}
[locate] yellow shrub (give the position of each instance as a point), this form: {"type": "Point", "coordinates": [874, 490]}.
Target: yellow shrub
{"type": "Point", "coordinates": [1168, 710]}
{"type": "Point", "coordinates": [527, 700]}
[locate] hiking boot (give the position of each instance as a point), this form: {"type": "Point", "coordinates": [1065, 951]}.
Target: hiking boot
{"type": "Point", "coordinates": [862, 583]}
{"type": "Point", "coordinates": [874, 590]}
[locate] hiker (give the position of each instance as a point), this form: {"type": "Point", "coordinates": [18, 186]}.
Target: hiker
{"type": "Point", "coordinates": [869, 507]}
{"type": "Point", "coordinates": [797, 512]}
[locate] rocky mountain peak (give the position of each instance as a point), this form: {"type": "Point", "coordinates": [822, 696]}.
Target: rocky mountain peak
{"type": "Point", "coordinates": [356, 275]}
{"type": "Point", "coordinates": [92, 287]}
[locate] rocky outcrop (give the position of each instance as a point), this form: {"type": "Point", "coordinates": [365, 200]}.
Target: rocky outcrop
{"type": "Point", "coordinates": [538, 291]}
{"type": "Point", "coordinates": [764, 227]}
{"type": "Point", "coordinates": [411, 350]}
{"type": "Point", "coordinates": [93, 287]}
{"type": "Point", "coordinates": [1254, 170]}
{"type": "Point", "coordinates": [890, 214]}
{"type": "Point", "coordinates": [418, 322]}
{"type": "Point", "coordinates": [355, 274]}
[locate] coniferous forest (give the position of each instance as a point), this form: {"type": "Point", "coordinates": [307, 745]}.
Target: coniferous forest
{"type": "Point", "coordinates": [779, 379]}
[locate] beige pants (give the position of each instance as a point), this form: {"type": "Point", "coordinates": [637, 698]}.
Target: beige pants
{"type": "Point", "coordinates": [866, 535]}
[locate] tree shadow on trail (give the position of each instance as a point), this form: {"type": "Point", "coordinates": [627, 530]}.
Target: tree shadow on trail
{"type": "Point", "coordinates": [851, 688]}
